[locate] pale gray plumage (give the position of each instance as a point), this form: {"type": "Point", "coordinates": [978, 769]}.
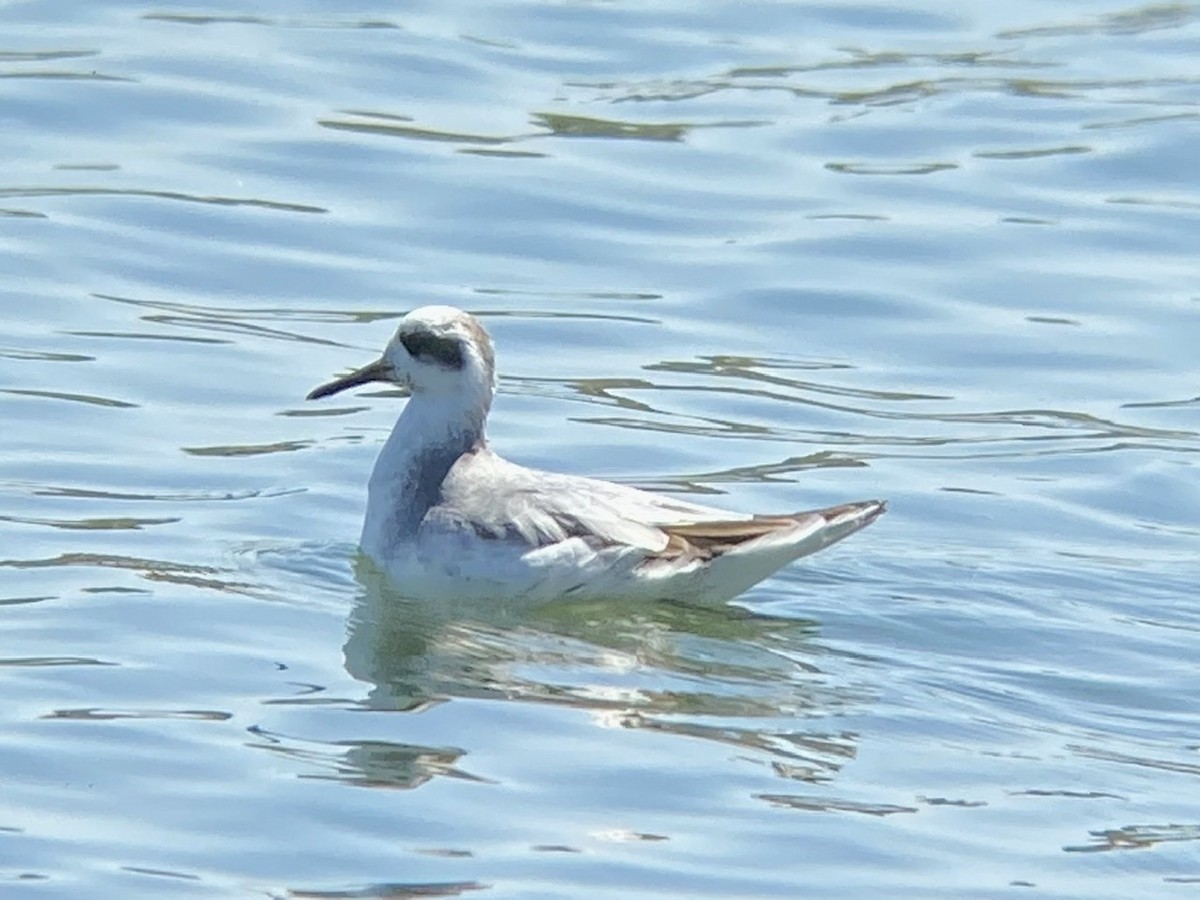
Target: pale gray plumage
{"type": "Point", "coordinates": [504, 500]}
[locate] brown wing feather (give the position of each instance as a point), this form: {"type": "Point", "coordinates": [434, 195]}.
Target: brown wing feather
{"type": "Point", "coordinates": [706, 540]}
{"type": "Point", "coordinates": [709, 539]}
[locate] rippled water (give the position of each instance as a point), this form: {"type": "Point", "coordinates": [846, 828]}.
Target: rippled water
{"type": "Point", "coordinates": [781, 254]}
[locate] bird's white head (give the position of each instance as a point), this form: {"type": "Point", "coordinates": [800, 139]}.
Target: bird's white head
{"type": "Point", "coordinates": [436, 350]}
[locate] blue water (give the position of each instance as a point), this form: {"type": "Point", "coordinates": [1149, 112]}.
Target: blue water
{"type": "Point", "coordinates": [769, 256]}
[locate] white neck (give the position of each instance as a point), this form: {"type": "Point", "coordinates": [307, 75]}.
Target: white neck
{"type": "Point", "coordinates": [433, 431]}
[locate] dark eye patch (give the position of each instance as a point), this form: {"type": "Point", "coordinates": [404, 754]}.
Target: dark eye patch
{"type": "Point", "coordinates": [442, 350]}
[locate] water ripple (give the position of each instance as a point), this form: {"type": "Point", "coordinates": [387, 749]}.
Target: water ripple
{"type": "Point", "coordinates": [22, 192]}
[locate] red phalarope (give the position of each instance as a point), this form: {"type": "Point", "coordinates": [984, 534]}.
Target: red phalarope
{"type": "Point", "coordinates": [448, 518]}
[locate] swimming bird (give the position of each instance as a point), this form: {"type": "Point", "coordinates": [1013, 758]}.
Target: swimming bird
{"type": "Point", "coordinates": [449, 518]}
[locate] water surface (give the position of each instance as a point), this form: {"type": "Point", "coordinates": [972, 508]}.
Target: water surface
{"type": "Point", "coordinates": [770, 256]}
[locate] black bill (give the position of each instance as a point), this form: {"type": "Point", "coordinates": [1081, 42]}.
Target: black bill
{"type": "Point", "coordinates": [379, 370]}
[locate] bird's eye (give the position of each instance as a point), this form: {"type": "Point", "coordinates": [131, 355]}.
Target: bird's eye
{"type": "Point", "coordinates": [445, 351]}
